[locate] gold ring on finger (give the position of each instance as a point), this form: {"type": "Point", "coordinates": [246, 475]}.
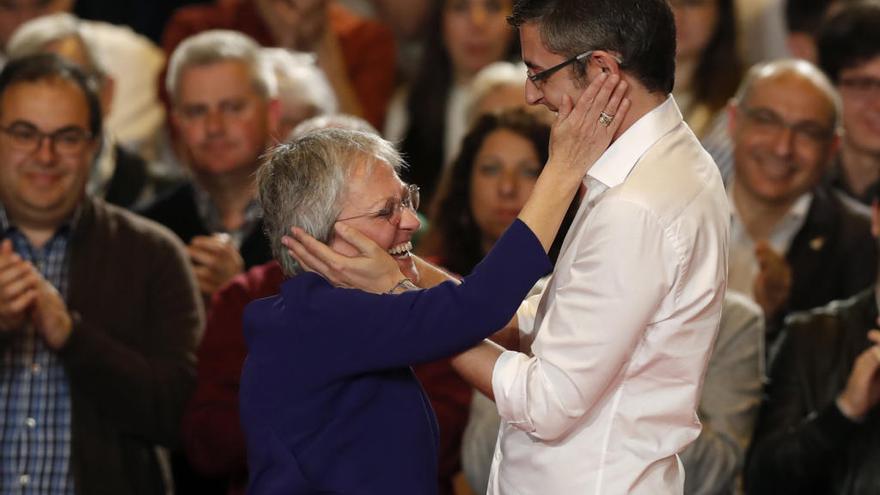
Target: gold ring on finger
{"type": "Point", "coordinates": [605, 119]}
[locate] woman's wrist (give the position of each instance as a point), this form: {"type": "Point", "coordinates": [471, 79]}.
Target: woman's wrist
{"type": "Point", "coordinates": [403, 285]}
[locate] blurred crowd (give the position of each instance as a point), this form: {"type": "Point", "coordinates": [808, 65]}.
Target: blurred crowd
{"type": "Point", "coordinates": [132, 238]}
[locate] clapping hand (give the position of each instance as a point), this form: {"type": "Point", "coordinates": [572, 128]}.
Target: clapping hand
{"type": "Point", "coordinates": [19, 284]}
{"type": "Point", "coordinates": [862, 392]}
{"type": "Point", "coordinates": [215, 261]}
{"type": "Point", "coordinates": [773, 283]}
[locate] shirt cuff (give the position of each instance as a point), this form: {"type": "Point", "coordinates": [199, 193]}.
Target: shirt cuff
{"type": "Point", "coordinates": [525, 315]}
{"type": "Point", "coordinates": [510, 386]}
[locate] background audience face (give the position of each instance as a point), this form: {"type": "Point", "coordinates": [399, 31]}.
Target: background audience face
{"type": "Point", "coordinates": [14, 13]}
{"type": "Point", "coordinates": [303, 20]}
{"type": "Point", "coordinates": [43, 186]}
{"type": "Point", "coordinates": [695, 23]}
{"type": "Point", "coordinates": [476, 33]}
{"type": "Point", "coordinates": [773, 162]}
{"type": "Point", "coordinates": [860, 90]}
{"type": "Point", "coordinates": [222, 118]}
{"type": "Point", "coordinates": [502, 178]}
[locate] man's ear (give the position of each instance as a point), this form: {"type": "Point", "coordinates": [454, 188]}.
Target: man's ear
{"type": "Point", "coordinates": [605, 61]}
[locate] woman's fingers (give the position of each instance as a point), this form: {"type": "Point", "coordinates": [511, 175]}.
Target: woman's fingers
{"type": "Point", "coordinates": [312, 254]}
{"type": "Point", "coordinates": [362, 243]}
{"type": "Point", "coordinates": [619, 114]}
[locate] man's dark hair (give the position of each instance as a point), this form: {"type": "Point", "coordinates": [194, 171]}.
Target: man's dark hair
{"type": "Point", "coordinates": [48, 67]}
{"type": "Point", "coordinates": [642, 32]}
{"type": "Point", "coordinates": [805, 16]}
{"type": "Point", "coordinates": [849, 38]}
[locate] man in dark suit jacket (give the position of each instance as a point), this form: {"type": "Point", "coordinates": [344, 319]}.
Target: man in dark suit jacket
{"type": "Point", "coordinates": [794, 244]}
{"type": "Point", "coordinates": [225, 113]}
{"type": "Point", "coordinates": [819, 427]}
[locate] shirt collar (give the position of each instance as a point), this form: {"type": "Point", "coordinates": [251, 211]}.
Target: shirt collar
{"type": "Point", "coordinates": [613, 167]}
{"type": "Point", "coordinates": [6, 225]}
{"type": "Point", "coordinates": [798, 210]}
{"type": "Point", "coordinates": [210, 215]}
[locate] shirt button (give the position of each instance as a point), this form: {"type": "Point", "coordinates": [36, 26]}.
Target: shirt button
{"type": "Point", "coordinates": [30, 422]}
{"type": "Point", "coordinates": [36, 368]}
{"type": "Point", "coordinates": [24, 479]}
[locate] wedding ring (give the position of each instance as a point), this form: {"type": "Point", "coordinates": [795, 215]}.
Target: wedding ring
{"type": "Point", "coordinates": [605, 119]}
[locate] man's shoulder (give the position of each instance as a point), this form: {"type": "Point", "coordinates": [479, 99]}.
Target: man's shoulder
{"type": "Point", "coordinates": [175, 208]}
{"type": "Point", "coordinates": [831, 212]}
{"type": "Point", "coordinates": [676, 176]}
{"type": "Point", "coordinates": [819, 327]}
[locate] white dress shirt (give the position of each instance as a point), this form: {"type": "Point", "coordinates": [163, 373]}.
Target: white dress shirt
{"type": "Point", "coordinates": [604, 394]}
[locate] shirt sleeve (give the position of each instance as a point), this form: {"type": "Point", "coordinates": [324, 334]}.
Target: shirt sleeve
{"type": "Point", "coordinates": [623, 268]}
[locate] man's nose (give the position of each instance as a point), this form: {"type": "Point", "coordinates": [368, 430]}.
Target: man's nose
{"type": "Point", "coordinates": [533, 93]}
{"type": "Point", "coordinates": [45, 151]}
{"type": "Point", "coordinates": [214, 122]}
{"type": "Point", "coordinates": [784, 143]}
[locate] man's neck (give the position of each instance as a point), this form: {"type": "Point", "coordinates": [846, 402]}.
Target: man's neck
{"type": "Point", "coordinates": [37, 236]}
{"type": "Point", "coordinates": [861, 169]}
{"type": "Point", "coordinates": [758, 217]}
{"type": "Point", "coordinates": [641, 102]}
{"type": "Point", "coordinates": [230, 193]}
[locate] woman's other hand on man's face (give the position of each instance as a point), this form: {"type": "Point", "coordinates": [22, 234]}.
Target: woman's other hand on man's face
{"type": "Point", "coordinates": [372, 269]}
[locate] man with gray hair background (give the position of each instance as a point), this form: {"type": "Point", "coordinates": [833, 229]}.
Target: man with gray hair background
{"type": "Point", "coordinates": [225, 112]}
{"type": "Point", "coordinates": [795, 244]}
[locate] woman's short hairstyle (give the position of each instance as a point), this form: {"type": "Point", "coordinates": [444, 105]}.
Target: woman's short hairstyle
{"type": "Point", "coordinates": [337, 120]}
{"type": "Point", "coordinates": [304, 182]}
{"type": "Point", "coordinates": [219, 45]}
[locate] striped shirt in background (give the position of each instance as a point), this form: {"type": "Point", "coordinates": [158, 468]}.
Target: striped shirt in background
{"type": "Point", "coordinates": [34, 396]}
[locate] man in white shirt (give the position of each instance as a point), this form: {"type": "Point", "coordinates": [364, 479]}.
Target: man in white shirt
{"type": "Point", "coordinates": [601, 395]}
{"type": "Point", "coordinates": [795, 244]}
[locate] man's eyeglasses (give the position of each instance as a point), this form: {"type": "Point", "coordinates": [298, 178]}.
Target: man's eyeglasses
{"type": "Point", "coordinates": [768, 121]}
{"type": "Point", "coordinates": [540, 77]}
{"type": "Point", "coordinates": [67, 141]}
{"type": "Point", "coordinates": [862, 87]}
{"type": "Point", "coordinates": [393, 209]}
